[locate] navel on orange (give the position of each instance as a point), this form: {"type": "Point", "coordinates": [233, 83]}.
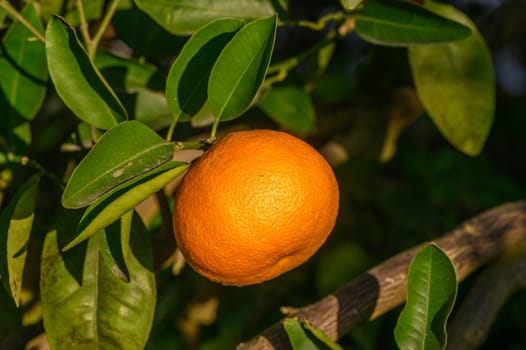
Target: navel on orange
{"type": "Point", "coordinates": [257, 204]}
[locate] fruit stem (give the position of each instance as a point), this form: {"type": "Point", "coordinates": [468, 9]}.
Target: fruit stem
{"type": "Point", "coordinates": [179, 145]}
{"type": "Point", "coordinates": [17, 16]}
{"type": "Point", "coordinates": [171, 129]}
{"type": "Point", "coordinates": [213, 132]}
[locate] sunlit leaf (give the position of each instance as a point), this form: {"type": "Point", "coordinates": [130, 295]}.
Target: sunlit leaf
{"type": "Point", "coordinates": [323, 337]}
{"type": "Point", "coordinates": [23, 76]}
{"type": "Point", "coordinates": [350, 4]}
{"type": "Point", "coordinates": [187, 16]}
{"type": "Point", "coordinates": [431, 293]}
{"type": "Point", "coordinates": [85, 305]}
{"type": "Point", "coordinates": [187, 83]}
{"type": "Point", "coordinates": [403, 23]}
{"type": "Point", "coordinates": [456, 85]}
{"type": "Point", "coordinates": [16, 222]}
{"type": "Point", "coordinates": [123, 198]}
{"type": "Point", "coordinates": [77, 80]}
{"type": "Point", "coordinates": [240, 69]}
{"type": "Point", "coordinates": [301, 337]}
{"type": "Point", "coordinates": [290, 107]}
{"type": "Point", "coordinates": [123, 152]}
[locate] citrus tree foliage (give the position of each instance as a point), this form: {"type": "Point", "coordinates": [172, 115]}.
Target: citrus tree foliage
{"type": "Point", "coordinates": [133, 81]}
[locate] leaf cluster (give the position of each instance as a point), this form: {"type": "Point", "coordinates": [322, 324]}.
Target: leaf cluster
{"type": "Point", "coordinates": [122, 87]}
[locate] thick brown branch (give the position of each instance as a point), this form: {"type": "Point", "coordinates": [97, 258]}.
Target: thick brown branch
{"type": "Point", "coordinates": [382, 288]}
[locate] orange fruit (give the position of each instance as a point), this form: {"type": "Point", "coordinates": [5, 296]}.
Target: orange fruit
{"type": "Point", "coordinates": [257, 204]}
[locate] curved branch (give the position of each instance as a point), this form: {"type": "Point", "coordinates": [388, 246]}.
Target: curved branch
{"type": "Point", "coordinates": [382, 288]}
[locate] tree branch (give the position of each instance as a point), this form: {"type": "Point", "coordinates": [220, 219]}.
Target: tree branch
{"type": "Point", "coordinates": [382, 288]}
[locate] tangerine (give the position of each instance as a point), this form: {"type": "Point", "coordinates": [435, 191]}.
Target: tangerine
{"type": "Point", "coordinates": [257, 204]}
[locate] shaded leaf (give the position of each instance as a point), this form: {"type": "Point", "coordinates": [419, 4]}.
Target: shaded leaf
{"type": "Point", "coordinates": [123, 198]}
{"type": "Point", "coordinates": [431, 293]}
{"type": "Point", "coordinates": [145, 37]}
{"type": "Point", "coordinates": [150, 108]}
{"type": "Point", "coordinates": [139, 85]}
{"type": "Point", "coordinates": [128, 74]}
{"type": "Point", "coordinates": [402, 23]}
{"type": "Point", "coordinates": [241, 68]}
{"type": "Point", "coordinates": [85, 306]}
{"type": "Point", "coordinates": [123, 152]}
{"type": "Point", "coordinates": [23, 76]}
{"type": "Point", "coordinates": [290, 107]}
{"type": "Point", "coordinates": [113, 242]}
{"type": "Point", "coordinates": [16, 222]}
{"type": "Point", "coordinates": [456, 85]}
{"type": "Point", "coordinates": [186, 16]}
{"type": "Point", "coordinates": [77, 80]}
{"type": "Point", "coordinates": [69, 10]}
{"type": "Point", "coordinates": [187, 83]}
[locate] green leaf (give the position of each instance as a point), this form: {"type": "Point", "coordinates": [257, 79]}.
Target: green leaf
{"type": "Point", "coordinates": [113, 242]}
{"type": "Point", "coordinates": [186, 16]}
{"type": "Point", "coordinates": [187, 83]}
{"type": "Point", "coordinates": [128, 74]}
{"type": "Point", "coordinates": [123, 198]}
{"type": "Point", "coordinates": [290, 107]}
{"type": "Point", "coordinates": [139, 85]}
{"type": "Point", "coordinates": [301, 337]}
{"type": "Point", "coordinates": [85, 306]}
{"type": "Point", "coordinates": [23, 77]}
{"type": "Point", "coordinates": [431, 293]}
{"type": "Point", "coordinates": [323, 337]}
{"type": "Point", "coordinates": [402, 23]}
{"type": "Point", "coordinates": [150, 108]}
{"type": "Point", "coordinates": [16, 222]}
{"type": "Point", "coordinates": [123, 152]}
{"type": "Point", "coordinates": [456, 85]}
{"type": "Point", "coordinates": [350, 4]}
{"type": "Point", "coordinates": [69, 9]}
{"type": "Point", "coordinates": [77, 80]}
{"type": "Point", "coordinates": [241, 68]}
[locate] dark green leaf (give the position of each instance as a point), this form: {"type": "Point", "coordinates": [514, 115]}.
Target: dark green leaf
{"type": "Point", "coordinates": [143, 35]}
{"type": "Point", "coordinates": [431, 293]}
{"type": "Point", "coordinates": [456, 85]}
{"type": "Point", "coordinates": [290, 107]}
{"type": "Point", "coordinates": [241, 68]}
{"type": "Point", "coordinates": [140, 86]}
{"type": "Point", "coordinates": [186, 16]}
{"type": "Point", "coordinates": [123, 198]}
{"type": "Point", "coordinates": [113, 242]}
{"type": "Point", "coordinates": [85, 306]}
{"type": "Point", "coordinates": [123, 152]}
{"type": "Point", "coordinates": [402, 23]}
{"type": "Point", "coordinates": [187, 83]}
{"type": "Point", "coordinates": [128, 74]}
{"type": "Point", "coordinates": [23, 76]}
{"type": "Point", "coordinates": [16, 221]}
{"type": "Point", "coordinates": [77, 80]}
